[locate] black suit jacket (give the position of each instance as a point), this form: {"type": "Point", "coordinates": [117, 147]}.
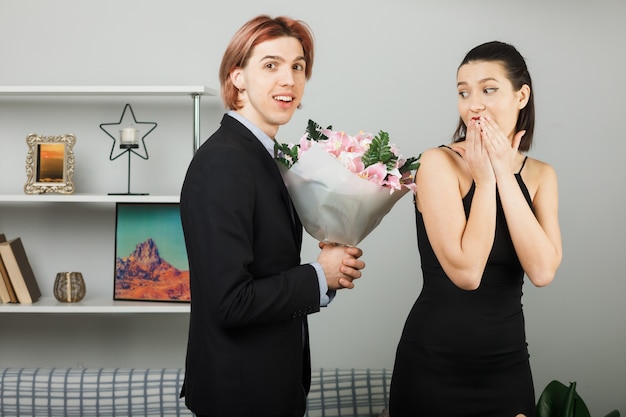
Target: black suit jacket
{"type": "Point", "coordinates": [248, 352]}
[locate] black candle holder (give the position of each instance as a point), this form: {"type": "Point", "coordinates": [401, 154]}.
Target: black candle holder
{"type": "Point", "coordinates": [128, 148]}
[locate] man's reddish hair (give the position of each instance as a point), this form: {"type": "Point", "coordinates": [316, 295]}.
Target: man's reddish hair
{"type": "Point", "coordinates": [257, 30]}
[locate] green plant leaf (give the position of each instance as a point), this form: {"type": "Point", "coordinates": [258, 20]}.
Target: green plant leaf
{"type": "Point", "coordinates": [285, 154]}
{"type": "Point", "coordinates": [379, 151]}
{"type": "Point", "coordinates": [313, 131]}
{"type": "Point", "coordinates": [568, 406]}
{"type": "Point", "coordinates": [558, 400]}
{"type": "Point", "coordinates": [411, 164]}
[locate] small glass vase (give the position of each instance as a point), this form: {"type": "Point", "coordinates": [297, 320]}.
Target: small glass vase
{"type": "Point", "coordinates": [69, 287]}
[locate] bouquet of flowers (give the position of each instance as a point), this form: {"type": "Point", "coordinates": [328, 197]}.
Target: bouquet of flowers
{"type": "Point", "coordinates": [342, 186]}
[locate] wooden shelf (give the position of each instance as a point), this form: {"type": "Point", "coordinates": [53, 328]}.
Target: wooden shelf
{"type": "Point", "coordinates": [97, 305]}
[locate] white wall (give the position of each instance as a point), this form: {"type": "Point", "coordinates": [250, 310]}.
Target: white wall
{"type": "Point", "coordinates": [379, 65]}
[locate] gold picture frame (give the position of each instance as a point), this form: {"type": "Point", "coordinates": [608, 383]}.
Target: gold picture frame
{"type": "Point", "coordinates": [50, 164]}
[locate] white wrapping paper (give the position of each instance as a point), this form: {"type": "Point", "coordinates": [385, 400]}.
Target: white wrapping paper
{"type": "Point", "coordinates": [334, 204]}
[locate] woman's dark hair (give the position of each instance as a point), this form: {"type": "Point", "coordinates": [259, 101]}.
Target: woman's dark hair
{"type": "Point", "coordinates": [517, 73]}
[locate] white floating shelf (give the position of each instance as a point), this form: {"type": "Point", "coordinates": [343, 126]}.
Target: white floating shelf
{"type": "Point", "coordinates": [130, 90]}
{"type": "Point", "coordinates": [96, 305]}
{"type": "Point", "coordinates": [87, 198]}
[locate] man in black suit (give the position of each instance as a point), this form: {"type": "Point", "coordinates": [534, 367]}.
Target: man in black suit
{"type": "Point", "coordinates": [248, 351]}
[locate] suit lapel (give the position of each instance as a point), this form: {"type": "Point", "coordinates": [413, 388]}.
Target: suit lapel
{"type": "Point", "coordinates": [272, 168]}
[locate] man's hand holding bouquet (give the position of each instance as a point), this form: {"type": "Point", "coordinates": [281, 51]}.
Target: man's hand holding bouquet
{"type": "Point", "coordinates": [342, 186]}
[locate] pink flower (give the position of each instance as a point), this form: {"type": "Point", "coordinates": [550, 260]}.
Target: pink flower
{"type": "Point", "coordinates": [337, 142]}
{"type": "Point", "coordinates": [375, 173]}
{"type": "Point", "coordinates": [369, 156]}
{"type": "Point", "coordinates": [305, 144]}
{"type": "Point", "coordinates": [364, 139]}
{"type": "Point", "coordinates": [352, 161]}
{"type": "Point", "coordinates": [408, 180]}
{"type": "Point", "coordinates": [393, 182]}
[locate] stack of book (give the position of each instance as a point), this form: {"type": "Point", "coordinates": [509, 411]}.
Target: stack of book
{"type": "Point", "coordinates": [18, 283]}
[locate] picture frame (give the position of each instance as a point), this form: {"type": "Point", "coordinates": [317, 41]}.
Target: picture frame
{"type": "Point", "coordinates": [150, 254]}
{"type": "Point", "coordinates": [50, 164]}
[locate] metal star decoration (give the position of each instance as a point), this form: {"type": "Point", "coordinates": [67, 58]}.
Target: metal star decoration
{"type": "Point", "coordinates": [122, 122]}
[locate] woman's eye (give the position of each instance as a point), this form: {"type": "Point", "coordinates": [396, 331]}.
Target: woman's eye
{"type": "Point", "coordinates": [463, 94]}
{"type": "Point", "coordinates": [490, 90]}
{"type": "Point", "coordinates": [270, 65]}
{"type": "Point", "coordinates": [298, 67]}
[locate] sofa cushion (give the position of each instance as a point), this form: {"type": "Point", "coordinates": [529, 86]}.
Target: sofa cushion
{"type": "Point", "coordinates": [91, 392]}
{"type": "Point", "coordinates": [112, 392]}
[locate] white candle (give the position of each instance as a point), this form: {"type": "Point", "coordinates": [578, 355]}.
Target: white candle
{"type": "Point", "coordinates": [129, 136]}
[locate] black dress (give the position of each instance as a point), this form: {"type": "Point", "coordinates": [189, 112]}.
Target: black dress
{"type": "Point", "coordinates": [464, 353]}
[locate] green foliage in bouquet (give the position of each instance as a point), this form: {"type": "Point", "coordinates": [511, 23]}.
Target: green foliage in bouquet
{"type": "Point", "coordinates": [380, 151]}
{"type": "Point", "coordinates": [313, 131]}
{"type": "Point", "coordinates": [287, 154]}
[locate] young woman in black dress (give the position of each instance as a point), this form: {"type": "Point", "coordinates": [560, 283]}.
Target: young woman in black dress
{"type": "Point", "coordinates": [486, 216]}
